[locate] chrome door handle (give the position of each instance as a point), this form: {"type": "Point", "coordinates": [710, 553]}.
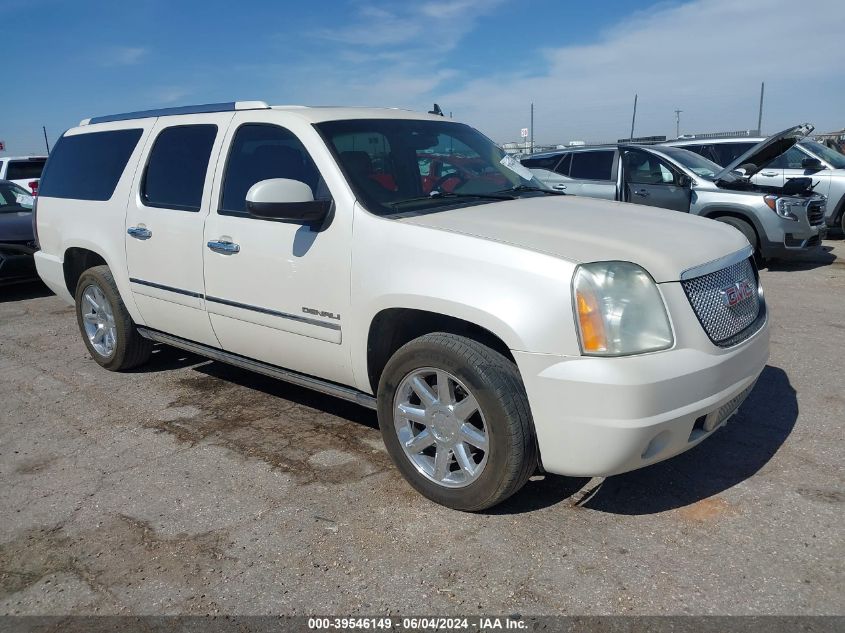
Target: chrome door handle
{"type": "Point", "coordinates": [770, 174]}
{"type": "Point", "coordinates": [641, 192]}
{"type": "Point", "coordinates": [227, 248]}
{"type": "Point", "coordinates": [559, 187]}
{"type": "Point", "coordinates": [139, 232]}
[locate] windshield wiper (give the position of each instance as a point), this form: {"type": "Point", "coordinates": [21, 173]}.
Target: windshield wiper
{"type": "Point", "coordinates": [448, 195]}
{"type": "Point", "coordinates": [521, 188]}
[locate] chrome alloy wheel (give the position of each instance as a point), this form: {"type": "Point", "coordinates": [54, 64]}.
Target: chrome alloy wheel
{"type": "Point", "coordinates": [98, 320]}
{"type": "Point", "coordinates": [440, 427]}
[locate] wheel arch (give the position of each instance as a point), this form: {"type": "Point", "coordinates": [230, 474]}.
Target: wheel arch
{"type": "Point", "coordinates": [76, 261]}
{"type": "Point", "coordinates": [391, 328]}
{"type": "Point", "coordinates": [739, 214]}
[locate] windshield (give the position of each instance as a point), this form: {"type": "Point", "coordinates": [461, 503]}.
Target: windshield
{"type": "Point", "coordinates": [836, 160]}
{"type": "Point", "coordinates": [14, 198]}
{"type": "Point", "coordinates": [696, 163]}
{"type": "Point", "coordinates": [402, 165]}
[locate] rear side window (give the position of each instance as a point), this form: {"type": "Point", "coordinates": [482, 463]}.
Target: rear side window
{"type": "Point", "coordinates": [88, 166]}
{"type": "Point", "coordinates": [546, 162]}
{"type": "Point", "coordinates": [176, 169]}
{"type": "Point", "coordinates": [707, 151]}
{"type": "Point", "coordinates": [592, 165]}
{"type": "Point", "coordinates": [25, 169]}
{"type": "Point", "coordinates": [260, 152]}
{"type": "Point", "coordinates": [726, 153]}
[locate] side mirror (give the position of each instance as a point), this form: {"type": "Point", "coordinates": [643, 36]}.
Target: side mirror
{"type": "Point", "coordinates": [684, 180]}
{"type": "Point", "coordinates": [286, 200]}
{"type": "Point", "coordinates": [811, 163]}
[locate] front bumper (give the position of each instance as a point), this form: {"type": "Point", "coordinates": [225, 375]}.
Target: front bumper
{"type": "Point", "coordinates": [786, 238]}
{"type": "Point", "coordinates": [596, 417]}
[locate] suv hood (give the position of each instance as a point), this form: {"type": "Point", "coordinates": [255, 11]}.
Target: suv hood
{"type": "Point", "coordinates": [581, 230]}
{"type": "Point", "coordinates": [765, 151]}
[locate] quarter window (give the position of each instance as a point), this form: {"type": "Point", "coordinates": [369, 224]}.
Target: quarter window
{"type": "Point", "coordinates": [88, 166]}
{"type": "Point", "coordinates": [177, 167]}
{"type": "Point", "coordinates": [260, 152]}
{"type": "Point", "coordinates": [592, 165]}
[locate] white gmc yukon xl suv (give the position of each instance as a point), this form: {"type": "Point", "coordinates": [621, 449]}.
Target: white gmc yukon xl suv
{"type": "Point", "coordinates": [404, 262]}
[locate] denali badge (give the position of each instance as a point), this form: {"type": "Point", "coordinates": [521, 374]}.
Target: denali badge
{"type": "Point", "coordinates": [321, 313]}
{"type": "Point", "coordinates": [740, 291]}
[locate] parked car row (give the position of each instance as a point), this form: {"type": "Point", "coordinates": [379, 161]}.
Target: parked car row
{"type": "Point", "coordinates": [777, 218]}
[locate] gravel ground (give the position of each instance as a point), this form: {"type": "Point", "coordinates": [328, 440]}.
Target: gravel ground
{"type": "Point", "coordinates": [192, 487]}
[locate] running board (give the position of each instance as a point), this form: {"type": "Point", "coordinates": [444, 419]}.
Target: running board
{"type": "Point", "coordinates": [295, 378]}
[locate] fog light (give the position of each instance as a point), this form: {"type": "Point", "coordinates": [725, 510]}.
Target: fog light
{"type": "Point", "coordinates": [712, 421]}
{"type": "Point", "coordinates": [656, 445]}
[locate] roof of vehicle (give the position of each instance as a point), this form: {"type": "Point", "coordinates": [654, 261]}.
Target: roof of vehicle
{"type": "Point", "coordinates": [314, 114]}
{"type": "Point", "coordinates": [705, 141]}
{"type": "Point", "coordinates": [588, 148]}
{"type": "Point", "coordinates": [30, 157]}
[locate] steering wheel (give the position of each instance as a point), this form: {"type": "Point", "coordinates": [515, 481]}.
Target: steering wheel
{"type": "Point", "coordinates": [462, 180]}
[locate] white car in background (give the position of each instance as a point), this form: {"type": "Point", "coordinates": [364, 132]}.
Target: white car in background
{"type": "Point", "coordinates": [23, 170]}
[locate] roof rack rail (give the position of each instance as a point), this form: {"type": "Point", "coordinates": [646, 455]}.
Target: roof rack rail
{"type": "Point", "coordinates": [190, 109]}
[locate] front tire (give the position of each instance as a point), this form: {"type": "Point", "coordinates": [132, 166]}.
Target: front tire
{"type": "Point", "coordinates": [107, 330]}
{"type": "Point", "coordinates": [456, 422]}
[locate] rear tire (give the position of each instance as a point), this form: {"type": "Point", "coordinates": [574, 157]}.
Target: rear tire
{"type": "Point", "coordinates": [748, 231]}
{"type": "Point", "coordinates": [471, 446]}
{"type": "Point", "coordinates": [107, 330]}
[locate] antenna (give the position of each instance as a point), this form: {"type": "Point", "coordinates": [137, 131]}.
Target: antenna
{"type": "Point", "coordinates": [633, 119]}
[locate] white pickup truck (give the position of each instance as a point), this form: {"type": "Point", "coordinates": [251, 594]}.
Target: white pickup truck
{"type": "Point", "coordinates": [404, 262]}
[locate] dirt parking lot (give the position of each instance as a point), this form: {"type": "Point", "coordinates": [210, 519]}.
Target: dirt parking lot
{"type": "Point", "coordinates": [193, 487]}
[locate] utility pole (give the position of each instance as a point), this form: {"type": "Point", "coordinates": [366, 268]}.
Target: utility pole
{"type": "Point", "coordinates": [46, 142]}
{"type": "Point", "coordinates": [633, 119]}
{"type": "Point", "coordinates": [760, 112]}
{"type": "Point", "coordinates": [678, 123]}
{"type": "Point", "coordinates": [532, 127]}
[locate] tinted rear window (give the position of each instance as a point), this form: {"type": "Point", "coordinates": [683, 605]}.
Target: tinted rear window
{"type": "Point", "coordinates": [88, 166]}
{"type": "Point", "coordinates": [175, 174]}
{"type": "Point", "coordinates": [25, 169]}
{"type": "Point", "coordinates": [592, 165]}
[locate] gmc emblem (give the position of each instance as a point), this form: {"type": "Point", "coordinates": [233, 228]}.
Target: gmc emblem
{"type": "Point", "coordinates": [740, 291]}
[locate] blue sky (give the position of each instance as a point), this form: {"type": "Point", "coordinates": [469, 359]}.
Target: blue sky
{"type": "Point", "coordinates": [579, 62]}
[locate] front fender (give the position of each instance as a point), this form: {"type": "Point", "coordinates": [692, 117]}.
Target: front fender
{"type": "Point", "coordinates": [520, 296]}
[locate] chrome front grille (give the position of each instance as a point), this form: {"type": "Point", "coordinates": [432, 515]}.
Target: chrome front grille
{"type": "Point", "coordinates": [727, 302]}
{"type": "Point", "coordinates": [815, 212]}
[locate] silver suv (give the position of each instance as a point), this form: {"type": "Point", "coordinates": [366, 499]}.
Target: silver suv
{"type": "Point", "coordinates": [778, 221]}
{"type": "Point", "coordinates": [807, 158]}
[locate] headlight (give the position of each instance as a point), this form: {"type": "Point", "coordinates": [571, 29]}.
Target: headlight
{"type": "Point", "coordinates": [783, 206]}
{"type": "Point", "coordinates": [619, 310]}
